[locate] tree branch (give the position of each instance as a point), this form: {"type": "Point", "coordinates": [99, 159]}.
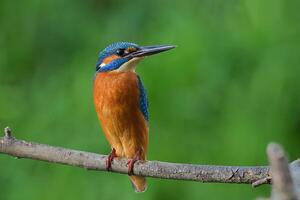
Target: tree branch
{"type": "Point", "coordinates": [156, 169]}
{"type": "Point", "coordinates": [295, 171]}
{"type": "Point", "coordinates": [283, 186]}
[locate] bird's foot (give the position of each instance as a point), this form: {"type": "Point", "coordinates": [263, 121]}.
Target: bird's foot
{"type": "Point", "coordinates": [131, 162]}
{"type": "Point", "coordinates": [110, 158]}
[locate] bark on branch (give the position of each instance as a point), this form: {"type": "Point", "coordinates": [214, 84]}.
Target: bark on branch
{"type": "Point", "coordinates": [156, 169]}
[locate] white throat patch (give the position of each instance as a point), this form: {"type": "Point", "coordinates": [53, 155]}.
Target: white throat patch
{"type": "Point", "coordinates": [130, 65]}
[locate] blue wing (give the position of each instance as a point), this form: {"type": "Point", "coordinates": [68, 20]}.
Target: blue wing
{"type": "Point", "coordinates": [143, 99]}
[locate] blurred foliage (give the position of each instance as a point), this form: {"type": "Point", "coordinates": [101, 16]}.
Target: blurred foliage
{"type": "Point", "coordinates": [230, 87]}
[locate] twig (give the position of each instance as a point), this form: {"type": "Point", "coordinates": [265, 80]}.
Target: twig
{"type": "Point", "coordinates": [155, 169]}
{"type": "Point", "coordinates": [283, 187]}
{"type": "Point", "coordinates": [265, 180]}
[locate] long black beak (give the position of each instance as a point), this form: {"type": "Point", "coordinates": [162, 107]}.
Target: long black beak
{"type": "Point", "coordinates": [150, 50]}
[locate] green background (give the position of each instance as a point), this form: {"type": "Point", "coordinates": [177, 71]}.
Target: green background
{"type": "Point", "coordinates": [230, 87]}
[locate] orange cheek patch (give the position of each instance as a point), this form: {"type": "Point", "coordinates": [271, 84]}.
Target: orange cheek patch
{"type": "Point", "coordinates": [131, 49]}
{"type": "Point", "coordinates": [109, 59]}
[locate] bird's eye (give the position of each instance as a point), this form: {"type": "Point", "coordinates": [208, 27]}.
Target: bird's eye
{"type": "Point", "coordinates": [120, 52]}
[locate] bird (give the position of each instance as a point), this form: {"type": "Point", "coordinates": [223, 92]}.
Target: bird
{"type": "Point", "coordinates": [121, 103]}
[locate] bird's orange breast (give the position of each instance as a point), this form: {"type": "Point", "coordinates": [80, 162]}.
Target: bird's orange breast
{"type": "Point", "coordinates": [116, 98]}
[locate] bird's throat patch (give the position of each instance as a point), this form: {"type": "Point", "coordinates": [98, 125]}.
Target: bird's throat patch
{"type": "Point", "coordinates": [130, 65]}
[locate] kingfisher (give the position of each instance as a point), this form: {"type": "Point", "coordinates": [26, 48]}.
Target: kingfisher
{"type": "Point", "coordinates": [121, 103]}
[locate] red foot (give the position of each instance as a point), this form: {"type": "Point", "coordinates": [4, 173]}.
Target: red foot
{"type": "Point", "coordinates": [109, 159]}
{"type": "Point", "coordinates": [131, 162]}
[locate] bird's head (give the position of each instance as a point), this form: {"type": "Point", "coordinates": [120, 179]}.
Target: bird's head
{"type": "Point", "coordinates": [123, 56]}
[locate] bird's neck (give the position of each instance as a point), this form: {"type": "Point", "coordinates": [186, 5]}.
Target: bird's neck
{"type": "Point", "coordinates": [115, 79]}
{"type": "Point", "coordinates": [114, 88]}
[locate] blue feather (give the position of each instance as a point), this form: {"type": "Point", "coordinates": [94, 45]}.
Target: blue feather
{"type": "Point", "coordinates": [143, 99]}
{"type": "Point", "coordinates": [115, 64]}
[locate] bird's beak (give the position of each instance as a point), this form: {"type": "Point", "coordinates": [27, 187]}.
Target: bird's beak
{"type": "Point", "coordinates": [150, 50]}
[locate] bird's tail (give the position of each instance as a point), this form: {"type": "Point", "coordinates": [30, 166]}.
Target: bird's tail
{"type": "Point", "coordinates": [138, 183]}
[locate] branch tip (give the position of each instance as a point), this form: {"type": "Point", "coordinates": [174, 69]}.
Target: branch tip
{"type": "Point", "coordinates": [275, 151]}
{"type": "Point", "coordinates": [7, 132]}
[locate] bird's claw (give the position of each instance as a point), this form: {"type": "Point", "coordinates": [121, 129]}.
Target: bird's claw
{"type": "Point", "coordinates": [131, 162]}
{"type": "Point", "coordinates": [109, 159]}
